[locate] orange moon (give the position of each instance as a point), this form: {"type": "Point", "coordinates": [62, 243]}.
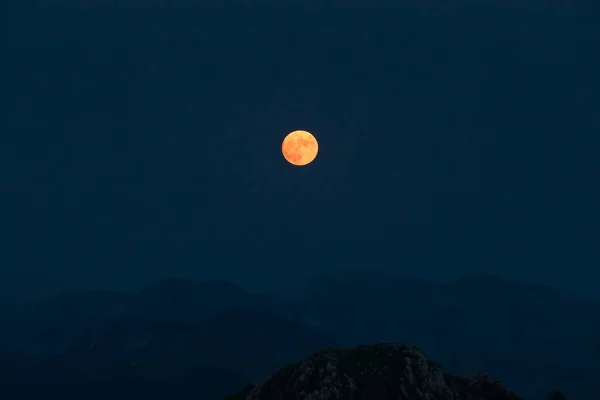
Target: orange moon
{"type": "Point", "coordinates": [300, 148]}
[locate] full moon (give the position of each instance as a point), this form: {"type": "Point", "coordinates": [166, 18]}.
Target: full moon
{"type": "Point", "coordinates": [300, 148]}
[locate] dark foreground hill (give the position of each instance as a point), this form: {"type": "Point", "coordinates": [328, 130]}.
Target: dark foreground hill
{"type": "Point", "coordinates": [381, 371]}
{"type": "Point", "coordinates": [532, 336]}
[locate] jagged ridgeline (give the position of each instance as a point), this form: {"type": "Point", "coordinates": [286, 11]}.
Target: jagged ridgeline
{"type": "Point", "coordinates": [378, 372]}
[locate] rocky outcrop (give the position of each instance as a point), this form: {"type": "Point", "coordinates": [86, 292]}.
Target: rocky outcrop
{"type": "Point", "coordinates": [381, 371]}
{"type": "Point", "coordinates": [533, 336]}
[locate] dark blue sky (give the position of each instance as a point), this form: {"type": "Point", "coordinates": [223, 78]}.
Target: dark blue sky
{"type": "Point", "coordinates": [144, 144]}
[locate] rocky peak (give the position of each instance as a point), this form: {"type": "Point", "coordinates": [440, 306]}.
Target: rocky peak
{"type": "Point", "coordinates": [381, 371]}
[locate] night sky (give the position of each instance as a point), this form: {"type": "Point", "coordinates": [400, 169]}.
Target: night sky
{"type": "Point", "coordinates": [140, 144]}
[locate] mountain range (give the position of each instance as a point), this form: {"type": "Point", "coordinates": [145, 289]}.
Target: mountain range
{"type": "Point", "coordinates": [206, 340]}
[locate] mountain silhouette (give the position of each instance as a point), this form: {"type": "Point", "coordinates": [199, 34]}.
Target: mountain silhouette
{"type": "Point", "coordinates": [178, 332]}
{"type": "Point", "coordinates": [171, 335]}
{"type": "Point", "coordinates": [383, 371]}
{"type": "Point", "coordinates": [477, 323]}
